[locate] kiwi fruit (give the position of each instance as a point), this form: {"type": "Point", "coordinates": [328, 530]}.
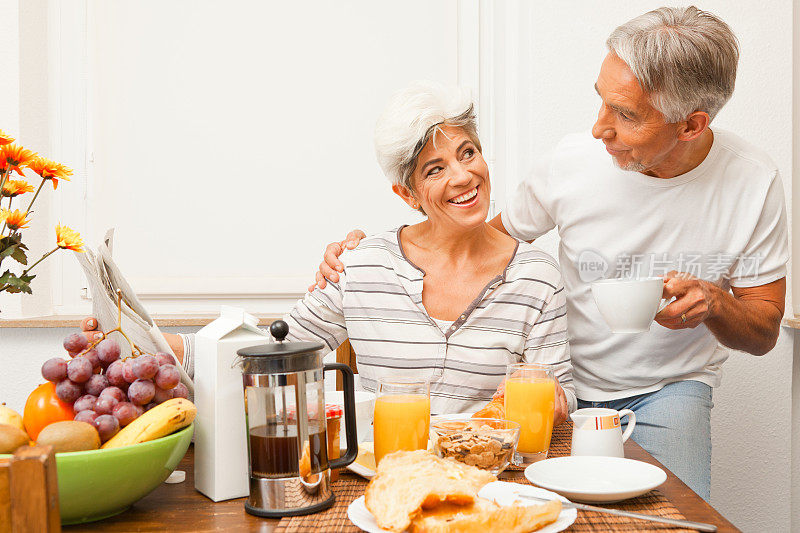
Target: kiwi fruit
{"type": "Point", "coordinates": [11, 438]}
{"type": "Point", "coordinates": [70, 436]}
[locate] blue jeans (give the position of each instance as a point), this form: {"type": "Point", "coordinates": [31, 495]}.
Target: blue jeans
{"type": "Point", "coordinates": [674, 426]}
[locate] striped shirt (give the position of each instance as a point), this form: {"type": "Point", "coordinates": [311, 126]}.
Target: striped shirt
{"type": "Point", "coordinates": [520, 316]}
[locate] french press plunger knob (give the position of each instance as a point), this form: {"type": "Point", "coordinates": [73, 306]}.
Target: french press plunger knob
{"type": "Point", "coordinates": [279, 329]}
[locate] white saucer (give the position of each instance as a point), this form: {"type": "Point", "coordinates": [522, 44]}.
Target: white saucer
{"type": "Point", "coordinates": [501, 492]}
{"type": "Point", "coordinates": [595, 479]}
{"type": "Point", "coordinates": [361, 470]}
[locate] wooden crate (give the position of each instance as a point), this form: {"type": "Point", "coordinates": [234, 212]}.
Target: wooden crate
{"type": "Point", "coordinates": [29, 492]}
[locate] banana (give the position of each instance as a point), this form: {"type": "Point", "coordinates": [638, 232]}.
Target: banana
{"type": "Point", "coordinates": [158, 422]}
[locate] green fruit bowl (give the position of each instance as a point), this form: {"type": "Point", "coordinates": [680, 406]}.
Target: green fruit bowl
{"type": "Point", "coordinates": [97, 484]}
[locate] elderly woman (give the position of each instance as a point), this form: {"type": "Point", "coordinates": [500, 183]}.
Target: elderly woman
{"type": "Point", "coordinates": [450, 299]}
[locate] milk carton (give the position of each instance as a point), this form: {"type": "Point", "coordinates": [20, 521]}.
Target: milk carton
{"type": "Point", "coordinates": [220, 446]}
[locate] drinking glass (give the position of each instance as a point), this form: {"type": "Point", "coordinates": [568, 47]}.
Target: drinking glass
{"type": "Point", "coordinates": [530, 400]}
{"type": "Point", "coordinates": [402, 416]}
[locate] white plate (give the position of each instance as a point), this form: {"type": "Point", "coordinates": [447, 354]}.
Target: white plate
{"type": "Point", "coordinates": [361, 470]}
{"type": "Point", "coordinates": [502, 492]}
{"type": "Point", "coordinates": [595, 479]}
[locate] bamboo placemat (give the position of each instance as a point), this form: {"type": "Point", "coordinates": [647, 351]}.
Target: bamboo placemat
{"type": "Point", "coordinates": [349, 487]}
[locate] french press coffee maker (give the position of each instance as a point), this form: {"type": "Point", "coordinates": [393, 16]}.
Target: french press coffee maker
{"type": "Point", "coordinates": [287, 442]}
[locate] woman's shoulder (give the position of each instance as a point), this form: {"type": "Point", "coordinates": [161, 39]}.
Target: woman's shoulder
{"type": "Point", "coordinates": [377, 247]}
{"type": "Point", "coordinates": [534, 265]}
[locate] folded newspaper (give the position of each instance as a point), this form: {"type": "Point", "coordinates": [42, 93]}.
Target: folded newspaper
{"type": "Point", "coordinates": [105, 278]}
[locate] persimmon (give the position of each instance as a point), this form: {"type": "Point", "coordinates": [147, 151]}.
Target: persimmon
{"type": "Point", "coordinates": [43, 408]}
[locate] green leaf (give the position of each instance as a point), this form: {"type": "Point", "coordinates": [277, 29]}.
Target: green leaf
{"type": "Point", "coordinates": [16, 283]}
{"type": "Point", "coordinates": [7, 241]}
{"type": "Point", "coordinates": [12, 246]}
{"type": "Point", "coordinates": [17, 252]}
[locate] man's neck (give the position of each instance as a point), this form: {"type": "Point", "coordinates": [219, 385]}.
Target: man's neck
{"type": "Point", "coordinates": [685, 157]}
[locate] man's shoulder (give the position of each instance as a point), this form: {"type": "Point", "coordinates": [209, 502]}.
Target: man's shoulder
{"type": "Point", "coordinates": [745, 155]}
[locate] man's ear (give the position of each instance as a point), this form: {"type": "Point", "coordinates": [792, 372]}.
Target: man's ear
{"type": "Point", "coordinates": [406, 195]}
{"type": "Point", "coordinates": [694, 126]}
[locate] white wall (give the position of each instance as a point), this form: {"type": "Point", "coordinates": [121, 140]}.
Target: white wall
{"type": "Point", "coordinates": [223, 142]}
{"type": "Point", "coordinates": [9, 97]}
{"type": "Point", "coordinates": [536, 63]}
{"type": "Point", "coordinates": [795, 405]}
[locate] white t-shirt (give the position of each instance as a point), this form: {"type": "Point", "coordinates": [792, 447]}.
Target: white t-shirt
{"type": "Point", "coordinates": [724, 221]}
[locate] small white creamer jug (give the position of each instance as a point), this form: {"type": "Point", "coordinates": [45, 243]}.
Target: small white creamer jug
{"type": "Point", "coordinates": [597, 431]}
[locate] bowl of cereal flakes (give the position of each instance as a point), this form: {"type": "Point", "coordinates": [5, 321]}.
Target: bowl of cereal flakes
{"type": "Point", "coordinates": [487, 443]}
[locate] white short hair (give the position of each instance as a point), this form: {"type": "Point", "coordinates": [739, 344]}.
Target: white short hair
{"type": "Point", "coordinates": [685, 58]}
{"type": "Point", "coordinates": [411, 118]}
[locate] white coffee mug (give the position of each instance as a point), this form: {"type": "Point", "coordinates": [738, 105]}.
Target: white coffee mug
{"type": "Point", "coordinates": [597, 431]}
{"type": "Point", "coordinates": [628, 305]}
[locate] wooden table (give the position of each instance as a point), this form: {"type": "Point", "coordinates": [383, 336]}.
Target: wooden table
{"type": "Point", "coordinates": [180, 508]}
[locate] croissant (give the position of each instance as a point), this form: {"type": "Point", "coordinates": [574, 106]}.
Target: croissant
{"type": "Point", "coordinates": [494, 409]}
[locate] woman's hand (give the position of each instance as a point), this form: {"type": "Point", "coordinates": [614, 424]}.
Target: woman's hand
{"type": "Point", "coordinates": [331, 266]}
{"type": "Point", "coordinates": [89, 327]}
{"type": "Point", "coordinates": [562, 409]}
{"type": "Point", "coordinates": [500, 392]}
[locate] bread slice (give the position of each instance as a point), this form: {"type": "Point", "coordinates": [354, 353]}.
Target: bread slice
{"type": "Point", "coordinates": [407, 482]}
{"type": "Point", "coordinates": [484, 516]}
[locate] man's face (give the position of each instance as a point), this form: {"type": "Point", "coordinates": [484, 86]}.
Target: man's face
{"type": "Point", "coordinates": [634, 132]}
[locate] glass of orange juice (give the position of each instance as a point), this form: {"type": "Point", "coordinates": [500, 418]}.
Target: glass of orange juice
{"type": "Point", "coordinates": [402, 416]}
{"type": "Point", "coordinates": [530, 400]}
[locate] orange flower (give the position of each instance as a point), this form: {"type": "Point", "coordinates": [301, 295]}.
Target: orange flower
{"type": "Point", "coordinates": [5, 138]}
{"type": "Point", "coordinates": [68, 239]}
{"type": "Point", "coordinates": [15, 157]}
{"type": "Point", "coordinates": [14, 188]}
{"type": "Point", "coordinates": [50, 170]}
{"type": "Point", "coordinates": [14, 219]}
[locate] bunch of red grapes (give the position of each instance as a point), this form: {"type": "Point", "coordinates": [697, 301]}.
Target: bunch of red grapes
{"type": "Point", "coordinates": [107, 392]}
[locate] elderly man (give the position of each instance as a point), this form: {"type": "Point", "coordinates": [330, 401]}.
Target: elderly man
{"type": "Point", "coordinates": [701, 207]}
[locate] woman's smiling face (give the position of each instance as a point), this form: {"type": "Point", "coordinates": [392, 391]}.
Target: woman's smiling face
{"type": "Point", "coordinates": [451, 180]}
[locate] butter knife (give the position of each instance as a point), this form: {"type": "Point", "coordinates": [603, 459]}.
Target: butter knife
{"type": "Point", "coordinates": [699, 526]}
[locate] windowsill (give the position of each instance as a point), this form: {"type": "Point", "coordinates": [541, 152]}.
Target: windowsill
{"type": "Point", "coordinates": [793, 322]}
{"type": "Point", "coordinates": [73, 321]}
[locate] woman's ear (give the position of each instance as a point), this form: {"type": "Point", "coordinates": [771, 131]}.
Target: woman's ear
{"type": "Point", "coordinates": [406, 195]}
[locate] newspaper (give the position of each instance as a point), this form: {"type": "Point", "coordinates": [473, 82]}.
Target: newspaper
{"type": "Point", "coordinates": [105, 278]}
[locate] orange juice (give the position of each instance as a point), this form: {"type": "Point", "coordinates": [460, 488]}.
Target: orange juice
{"type": "Point", "coordinates": [401, 423]}
{"type": "Point", "coordinates": [531, 403]}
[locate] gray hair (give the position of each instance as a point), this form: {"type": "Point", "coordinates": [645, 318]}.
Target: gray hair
{"type": "Point", "coordinates": [685, 58]}
{"type": "Point", "coordinates": [413, 116]}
